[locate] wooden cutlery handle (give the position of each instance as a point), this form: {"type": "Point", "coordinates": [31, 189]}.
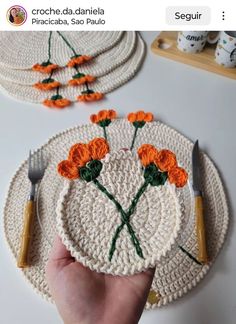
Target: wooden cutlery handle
{"type": "Point", "coordinates": [200, 226]}
{"type": "Point", "coordinates": [22, 261]}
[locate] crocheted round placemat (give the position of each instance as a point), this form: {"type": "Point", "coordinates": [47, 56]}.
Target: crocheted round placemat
{"type": "Point", "coordinates": [99, 66]}
{"type": "Point", "coordinates": [21, 50]}
{"type": "Point", "coordinates": [104, 84]}
{"type": "Point", "coordinates": [87, 219]}
{"type": "Point", "coordinates": [176, 273]}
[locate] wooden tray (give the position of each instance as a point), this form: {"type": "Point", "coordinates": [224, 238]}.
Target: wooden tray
{"type": "Point", "coordinates": [166, 45]}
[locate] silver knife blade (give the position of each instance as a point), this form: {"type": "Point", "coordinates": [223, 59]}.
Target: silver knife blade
{"type": "Point", "coordinates": [196, 169]}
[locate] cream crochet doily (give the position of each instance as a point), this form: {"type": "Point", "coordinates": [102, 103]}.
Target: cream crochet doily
{"type": "Point", "coordinates": [99, 66]}
{"type": "Point", "coordinates": [21, 50]}
{"type": "Point", "coordinates": [87, 219]}
{"type": "Point", "coordinates": [105, 84]}
{"type": "Point", "coordinates": [175, 273]}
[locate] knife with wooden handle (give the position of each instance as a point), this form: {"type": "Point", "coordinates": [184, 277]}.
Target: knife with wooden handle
{"type": "Point", "coordinates": [199, 211]}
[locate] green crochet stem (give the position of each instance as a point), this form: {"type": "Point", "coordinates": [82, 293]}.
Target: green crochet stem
{"type": "Point", "coordinates": [136, 198]}
{"type": "Point", "coordinates": [104, 132]}
{"type": "Point", "coordinates": [50, 76]}
{"type": "Point", "coordinates": [134, 138]}
{"type": "Point", "coordinates": [57, 95]}
{"type": "Point", "coordinates": [129, 213]}
{"type": "Point", "coordinates": [49, 46]}
{"type": "Point", "coordinates": [88, 90]}
{"type": "Point", "coordinates": [76, 69]}
{"type": "Point", "coordinates": [67, 43]}
{"type": "Point", "coordinates": [125, 221]}
{"type": "Point", "coordinates": [111, 197]}
{"type": "Point", "coordinates": [87, 87]}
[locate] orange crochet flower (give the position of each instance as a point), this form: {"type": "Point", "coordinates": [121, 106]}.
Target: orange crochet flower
{"type": "Point", "coordinates": [103, 116]}
{"type": "Point", "coordinates": [84, 158]}
{"type": "Point", "coordinates": [138, 120]}
{"type": "Point", "coordinates": [166, 160]}
{"type": "Point", "coordinates": [160, 166]}
{"type": "Point", "coordinates": [111, 114]}
{"type": "Point", "coordinates": [45, 86]}
{"type": "Point", "coordinates": [140, 116]}
{"type": "Point", "coordinates": [98, 148]}
{"type": "Point", "coordinates": [78, 60]}
{"type": "Point", "coordinates": [147, 154]}
{"type": "Point", "coordinates": [178, 176]}
{"type": "Point", "coordinates": [81, 80]}
{"type": "Point", "coordinates": [45, 67]}
{"type": "Point", "coordinates": [79, 154]}
{"type": "Point", "coordinates": [91, 96]}
{"type": "Point", "coordinates": [68, 169]}
{"type": "Point", "coordinates": [57, 101]}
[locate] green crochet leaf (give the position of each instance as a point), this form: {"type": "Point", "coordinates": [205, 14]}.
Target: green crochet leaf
{"type": "Point", "coordinates": [105, 122]}
{"type": "Point", "coordinates": [46, 63]}
{"type": "Point", "coordinates": [150, 172]}
{"type": "Point", "coordinates": [86, 174]}
{"type": "Point", "coordinates": [159, 179]}
{"type": "Point", "coordinates": [49, 80]}
{"type": "Point", "coordinates": [153, 176]}
{"type": "Point", "coordinates": [87, 91]}
{"type": "Point", "coordinates": [95, 166]}
{"type": "Point", "coordinates": [91, 171]}
{"type": "Point", "coordinates": [75, 56]}
{"type": "Point", "coordinates": [56, 97]}
{"type": "Point", "coordinates": [78, 75]}
{"type": "Point", "coordinates": [139, 124]}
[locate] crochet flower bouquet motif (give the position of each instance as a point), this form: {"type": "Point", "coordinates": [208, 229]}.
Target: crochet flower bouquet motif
{"type": "Point", "coordinates": [78, 79]}
{"type": "Point", "coordinates": [85, 162]}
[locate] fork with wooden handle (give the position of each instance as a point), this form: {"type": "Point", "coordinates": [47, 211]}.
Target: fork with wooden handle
{"type": "Point", "coordinates": [36, 168]}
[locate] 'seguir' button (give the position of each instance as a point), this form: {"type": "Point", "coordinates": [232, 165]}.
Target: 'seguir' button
{"type": "Point", "coordinates": [188, 15]}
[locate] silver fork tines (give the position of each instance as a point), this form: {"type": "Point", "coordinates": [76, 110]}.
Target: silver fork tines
{"type": "Point", "coordinates": [36, 170]}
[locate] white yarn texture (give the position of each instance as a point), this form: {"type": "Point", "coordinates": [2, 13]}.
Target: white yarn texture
{"type": "Point", "coordinates": [115, 72]}
{"type": "Point", "coordinates": [21, 50]}
{"type": "Point", "coordinates": [175, 273]}
{"type": "Point", "coordinates": [87, 219]}
{"type": "Point", "coordinates": [99, 66]}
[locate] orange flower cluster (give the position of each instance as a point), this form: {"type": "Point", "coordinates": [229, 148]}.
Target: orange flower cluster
{"type": "Point", "coordinates": [147, 154]}
{"type": "Point", "coordinates": [103, 115]}
{"type": "Point", "coordinates": [87, 97]}
{"type": "Point", "coordinates": [45, 86]}
{"type": "Point", "coordinates": [80, 154]}
{"type": "Point", "coordinates": [178, 176]}
{"type": "Point", "coordinates": [45, 68]}
{"type": "Point", "coordinates": [78, 60]}
{"type": "Point", "coordinates": [165, 160]}
{"type": "Point", "coordinates": [140, 116]}
{"type": "Point", "coordinates": [57, 102]}
{"type": "Point", "coordinates": [81, 80]}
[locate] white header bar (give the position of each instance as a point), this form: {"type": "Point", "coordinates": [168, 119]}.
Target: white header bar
{"type": "Point", "coordinates": [117, 15]}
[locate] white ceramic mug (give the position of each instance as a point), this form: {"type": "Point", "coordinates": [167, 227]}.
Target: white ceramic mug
{"type": "Point", "coordinates": [193, 41]}
{"type": "Point", "coordinates": [225, 53]}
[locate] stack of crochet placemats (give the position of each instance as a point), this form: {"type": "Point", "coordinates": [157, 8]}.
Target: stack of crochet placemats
{"type": "Point", "coordinates": [59, 68]}
{"type": "Point", "coordinates": [171, 214]}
